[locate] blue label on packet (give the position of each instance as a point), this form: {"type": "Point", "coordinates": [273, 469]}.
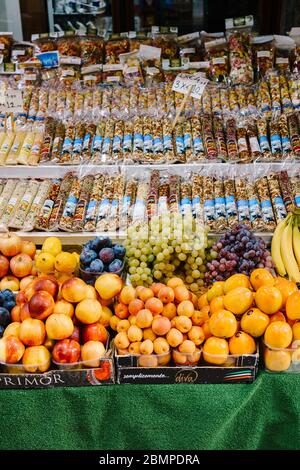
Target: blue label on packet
{"type": "Point", "coordinates": [242, 203]}
{"type": "Point", "coordinates": [229, 199]}
{"type": "Point", "coordinates": [262, 139]}
{"type": "Point", "coordinates": [48, 59]}
{"type": "Point", "coordinates": [279, 200]}
{"type": "Point", "coordinates": [253, 202]}
{"type": "Point", "coordinates": [147, 137]}
{"type": "Point", "coordinates": [266, 204]}
{"type": "Point", "coordinates": [219, 200]}
{"type": "Point", "coordinates": [209, 203]}
{"type": "Point", "coordinates": [275, 138]}
{"type": "Point", "coordinates": [297, 200]}
{"type": "Point", "coordinates": [138, 137]}
{"type": "Point", "coordinates": [127, 138]}
{"type": "Point", "coordinates": [185, 200]}
{"type": "Point", "coordinates": [196, 200]}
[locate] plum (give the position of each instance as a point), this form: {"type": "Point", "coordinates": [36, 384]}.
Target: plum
{"type": "Point", "coordinates": [106, 255]}
{"type": "Point", "coordinates": [97, 266]}
{"type": "Point", "coordinates": [4, 317]}
{"type": "Point", "coordinates": [119, 251]}
{"type": "Point", "coordinates": [115, 266]}
{"type": "Point", "coordinates": [87, 256]}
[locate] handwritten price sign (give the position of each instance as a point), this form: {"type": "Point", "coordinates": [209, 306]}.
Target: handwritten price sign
{"type": "Point", "coordinates": [183, 82]}
{"type": "Point", "coordinates": [11, 101]}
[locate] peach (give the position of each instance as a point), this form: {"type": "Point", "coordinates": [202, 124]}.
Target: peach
{"type": "Point", "coordinates": [36, 359]}
{"type": "Point", "coordinates": [138, 289]}
{"type": "Point", "coordinates": [123, 325]}
{"type": "Point", "coordinates": [49, 343]}
{"type": "Point", "coordinates": [108, 285]}
{"type": "Point", "coordinates": [144, 318]}
{"type": "Point", "coordinates": [15, 314]}
{"type": "Point", "coordinates": [88, 311]}
{"type": "Point", "coordinates": [21, 265]}
{"type": "Point", "coordinates": [28, 248]}
{"type": "Point", "coordinates": [181, 293]}
{"type": "Point", "coordinates": [146, 347]}
{"type": "Point", "coordinates": [62, 306]}
{"type": "Point", "coordinates": [92, 352]}
{"type": "Point", "coordinates": [196, 334]}
{"type": "Point", "coordinates": [4, 266]}
{"type": "Point", "coordinates": [194, 299]}
{"type": "Point", "coordinates": [145, 294]}
{"type": "Point", "coordinates": [169, 310]}
{"type": "Point", "coordinates": [183, 323]}
{"type": "Point", "coordinates": [135, 306]}
{"type": "Point", "coordinates": [21, 298]}
{"type": "Point", "coordinates": [166, 294]}
{"type": "Point", "coordinates": [161, 346]}
{"type": "Point", "coordinates": [174, 337]}
{"type": "Point", "coordinates": [41, 305]}
{"type": "Point", "coordinates": [134, 333]}
{"type": "Point", "coordinates": [59, 326]}
{"type": "Point", "coordinates": [148, 361]}
{"type": "Point", "coordinates": [121, 310]}
{"type": "Point", "coordinates": [179, 358]}
{"type": "Point", "coordinates": [76, 334]}
{"type": "Point", "coordinates": [186, 308]}
{"type": "Point", "coordinates": [12, 329]}
{"type": "Point", "coordinates": [66, 351]}
{"type": "Point", "coordinates": [121, 340]}
{"type": "Point", "coordinates": [175, 282]}
{"type": "Point", "coordinates": [73, 290]}
{"type": "Point", "coordinates": [91, 292]}
{"type": "Point", "coordinates": [113, 322]}
{"type": "Point", "coordinates": [200, 316]}
{"type": "Point", "coordinates": [45, 284]}
{"type": "Point", "coordinates": [25, 282]}
{"type": "Point", "coordinates": [134, 348]}
{"type": "Point", "coordinates": [149, 334]}
{"type": "Point", "coordinates": [154, 305]}
{"type": "Point", "coordinates": [105, 316]}
{"type": "Point", "coordinates": [10, 282]}
{"type": "Point", "coordinates": [24, 312]}
{"type": "Point", "coordinates": [187, 346]}
{"type": "Point", "coordinates": [11, 349]}
{"type": "Point", "coordinates": [156, 287]}
{"type": "Point", "coordinates": [32, 332]}
{"type": "Point", "coordinates": [127, 294]}
{"type": "Point", "coordinates": [161, 325]}
{"type": "Point", "coordinates": [94, 332]}
{"type": "Point", "coordinates": [132, 319]}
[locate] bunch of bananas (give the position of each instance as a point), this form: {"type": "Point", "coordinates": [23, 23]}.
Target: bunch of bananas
{"type": "Point", "coordinates": [285, 247]}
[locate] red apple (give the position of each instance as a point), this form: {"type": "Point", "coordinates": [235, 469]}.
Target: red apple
{"type": "Point", "coordinates": [36, 359]}
{"type": "Point", "coordinates": [28, 248]}
{"type": "Point", "coordinates": [76, 334]}
{"type": "Point", "coordinates": [10, 244]}
{"type": "Point", "coordinates": [66, 351]}
{"type": "Point", "coordinates": [11, 349]}
{"type": "Point", "coordinates": [21, 265]}
{"type": "Point", "coordinates": [32, 332]}
{"type": "Point", "coordinates": [94, 332]}
{"type": "Point", "coordinates": [41, 305]}
{"type": "Point", "coordinates": [4, 266]}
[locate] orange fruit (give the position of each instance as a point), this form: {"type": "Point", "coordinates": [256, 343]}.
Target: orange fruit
{"type": "Point", "coordinates": [215, 350]}
{"type": "Point", "coordinates": [222, 324]}
{"type": "Point", "coordinates": [206, 329]}
{"type": "Point", "coordinates": [261, 277]}
{"type": "Point", "coordinates": [242, 343]}
{"type": "Point", "coordinates": [268, 299]}
{"type": "Point", "coordinates": [215, 290]}
{"type": "Point", "coordinates": [296, 330]}
{"type": "Point", "coordinates": [238, 300]}
{"type": "Point", "coordinates": [278, 316]}
{"type": "Point", "coordinates": [286, 288]}
{"type": "Point", "coordinates": [277, 360]}
{"type": "Point", "coordinates": [254, 322]}
{"type": "Point", "coordinates": [292, 307]}
{"type": "Point", "coordinates": [216, 304]}
{"type": "Point", "coordinates": [202, 301]}
{"type": "Point", "coordinates": [200, 316]}
{"type": "Point", "coordinates": [278, 335]}
{"type": "Point", "coordinates": [237, 280]}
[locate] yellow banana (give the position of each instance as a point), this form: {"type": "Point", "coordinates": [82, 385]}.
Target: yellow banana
{"type": "Point", "coordinates": [296, 243]}
{"type": "Point", "coordinates": [287, 253]}
{"type": "Point", "coordinates": [275, 248]}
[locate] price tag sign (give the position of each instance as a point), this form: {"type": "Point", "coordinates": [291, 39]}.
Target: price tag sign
{"type": "Point", "coordinates": [11, 101]}
{"type": "Point", "coordinates": [183, 82]}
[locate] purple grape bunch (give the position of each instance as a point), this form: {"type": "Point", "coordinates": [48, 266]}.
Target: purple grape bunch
{"type": "Point", "coordinates": [237, 251]}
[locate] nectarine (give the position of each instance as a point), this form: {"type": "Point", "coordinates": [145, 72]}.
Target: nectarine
{"type": "Point", "coordinates": [161, 325]}
{"type": "Point", "coordinates": [144, 318]}
{"type": "Point", "coordinates": [88, 311]}
{"type": "Point", "coordinates": [108, 285]}
{"type": "Point", "coordinates": [92, 352]}
{"type": "Point", "coordinates": [66, 351]}
{"type": "Point", "coordinates": [94, 332]}
{"type": "Point", "coordinates": [59, 326]}
{"type": "Point", "coordinates": [105, 316]}
{"type": "Point", "coordinates": [62, 306]}
{"type": "Point", "coordinates": [73, 290]}
{"type": "Point", "coordinates": [12, 329]}
{"type": "Point", "coordinates": [41, 305]}
{"type": "Point", "coordinates": [36, 359]}
{"type": "Point", "coordinates": [11, 349]}
{"type": "Point", "coordinates": [32, 332]}
{"type": "Point", "coordinates": [21, 265]}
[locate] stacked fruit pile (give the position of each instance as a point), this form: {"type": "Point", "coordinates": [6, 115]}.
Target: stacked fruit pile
{"type": "Point", "coordinates": [64, 321]}
{"type": "Point", "coordinates": [52, 259]}
{"type": "Point", "coordinates": [16, 262]}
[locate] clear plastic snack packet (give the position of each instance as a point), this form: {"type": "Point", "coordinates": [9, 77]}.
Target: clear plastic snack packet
{"type": "Point", "coordinates": [165, 38]}
{"type": "Point", "coordinates": [244, 153]}
{"type": "Point", "coordinates": [37, 204]}
{"type": "Point", "coordinates": [198, 153]}
{"type": "Point", "coordinates": [241, 70]}
{"type": "Point", "coordinates": [35, 151]}
{"type": "Point", "coordinates": [88, 141]}
{"type": "Point", "coordinates": [255, 210]}
{"type": "Point", "coordinates": [105, 203]}
{"type": "Point", "coordinates": [217, 54]}
{"type": "Point", "coordinates": [208, 200]}
{"type": "Point", "coordinates": [152, 197]}
{"type": "Point", "coordinates": [276, 197]}
{"type": "Point", "coordinates": [242, 200]}
{"type": "Point", "coordinates": [197, 198]}
{"type": "Point", "coordinates": [264, 99]}
{"type": "Point", "coordinates": [139, 210]}
{"type": "Point", "coordinates": [275, 93]}
{"type": "Point", "coordinates": [91, 50]}
{"type": "Point", "coordinates": [209, 140]}
{"type": "Point", "coordinates": [6, 193]}
{"type": "Point", "coordinates": [174, 198]}
{"type": "Point", "coordinates": [220, 139]}
{"type": "Point", "coordinates": [286, 101]}
{"type": "Point", "coordinates": [294, 84]}
{"type": "Point", "coordinates": [93, 204]}
{"type": "Point", "coordinates": [23, 207]}
{"type": "Point", "coordinates": [216, 106]}
{"type": "Point", "coordinates": [262, 130]}
{"type": "Point", "coordinates": [13, 203]}
{"type": "Point", "coordinates": [117, 143]}
{"type": "Point", "coordinates": [115, 46]}
{"type": "Point", "coordinates": [275, 139]}
{"type": "Point", "coordinates": [74, 211]}
{"type": "Point", "coordinates": [220, 222]}
{"type": "Point", "coordinates": [179, 142]}
{"type": "Point", "coordinates": [286, 190]}
{"type": "Point", "coordinates": [57, 141]}
{"type": "Point", "coordinates": [128, 201]}
{"type": "Point", "coordinates": [138, 139]}
{"type": "Point", "coordinates": [15, 149]}
{"type": "Point", "coordinates": [23, 157]}
{"type": "Point", "coordinates": [67, 146]}
{"type": "Point", "coordinates": [113, 220]}
{"type": "Point", "coordinates": [262, 188]}
{"type": "Point", "coordinates": [284, 52]}
{"type": "Point", "coordinates": [253, 141]}
{"type": "Point", "coordinates": [60, 202]}
{"type": "Point", "coordinates": [262, 54]}
{"type": "Point", "coordinates": [284, 135]}
{"type": "Point", "coordinates": [163, 196]}
{"type": "Point", "coordinates": [44, 213]}
{"type": "Point", "coordinates": [231, 140]}
{"type": "Point", "coordinates": [230, 202]}
{"type": "Point", "coordinates": [97, 143]}
{"type": "Point", "coordinates": [294, 134]}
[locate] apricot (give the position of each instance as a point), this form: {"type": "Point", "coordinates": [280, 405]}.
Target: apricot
{"type": "Point", "coordinates": [216, 304]}
{"type": "Point", "coordinates": [223, 324]}
{"type": "Point", "coordinates": [194, 299]}
{"type": "Point", "coordinates": [202, 301]}
{"type": "Point", "coordinates": [161, 325]}
{"type": "Point", "coordinates": [206, 329]}
{"type": "Point", "coordinates": [123, 325]}
{"type": "Point", "coordinates": [237, 280]}
{"type": "Point", "coordinates": [135, 306]}
{"type": "Point", "coordinates": [161, 346]}
{"type": "Point", "coordinates": [121, 340]}
{"type": "Point", "coordinates": [166, 294]}
{"type": "Point", "coordinates": [179, 358]}
{"type": "Point", "coordinates": [186, 308]}
{"type": "Point", "coordinates": [268, 299]}
{"type": "Point", "coordinates": [200, 316]}
{"type": "Point", "coordinates": [238, 300]}
{"type": "Point", "coordinates": [175, 282]}
{"type": "Point", "coordinates": [277, 360]}
{"type": "Point", "coordinates": [134, 333]}
{"type": "Point", "coordinates": [154, 305]}
{"type": "Point", "coordinates": [278, 334]}
{"type": "Point", "coordinates": [187, 346]}
{"type": "Point", "coordinates": [242, 343]}
{"type": "Point", "coordinates": [149, 334]}
{"type": "Point", "coordinates": [113, 322]}
{"type": "Point", "coordinates": [215, 350]}
{"type": "Point", "coordinates": [164, 359]}
{"type": "Point", "coordinates": [105, 316]}
{"type": "Point", "coordinates": [132, 319]}
{"type": "Point", "coordinates": [174, 337]}
{"type": "Point", "coordinates": [169, 310]}
{"type": "Point", "coordinates": [145, 294]}
{"type": "Point", "coordinates": [123, 352]}
{"type": "Point", "coordinates": [134, 348]}
{"type": "Point", "coordinates": [147, 361]}
{"type": "Point", "coordinates": [183, 323]}
{"type": "Point", "coordinates": [181, 293]}
{"type": "Point", "coordinates": [156, 287]}
{"type": "Point", "coordinates": [127, 294]}
{"type": "Point", "coordinates": [261, 277]}
{"type": "Point", "coordinates": [146, 347]}
{"type": "Point", "coordinates": [196, 334]}
{"type": "Point", "coordinates": [254, 322]}
{"type": "Point", "coordinates": [121, 310]}
{"type": "Point", "coordinates": [144, 318]}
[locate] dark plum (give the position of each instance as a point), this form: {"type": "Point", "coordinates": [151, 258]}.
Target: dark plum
{"type": "Point", "coordinates": [119, 251]}
{"type": "Point", "coordinates": [106, 255]}
{"type": "Point", "coordinates": [97, 266]}
{"type": "Point", "coordinates": [4, 316]}
{"type": "Point", "coordinates": [87, 256]}
{"type": "Point", "coordinates": [115, 266]}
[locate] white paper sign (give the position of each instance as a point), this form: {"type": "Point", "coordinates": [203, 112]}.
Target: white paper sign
{"type": "Point", "coordinates": [11, 101]}
{"type": "Point", "coordinates": [184, 81]}
{"type": "Point", "coordinates": [149, 52]}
